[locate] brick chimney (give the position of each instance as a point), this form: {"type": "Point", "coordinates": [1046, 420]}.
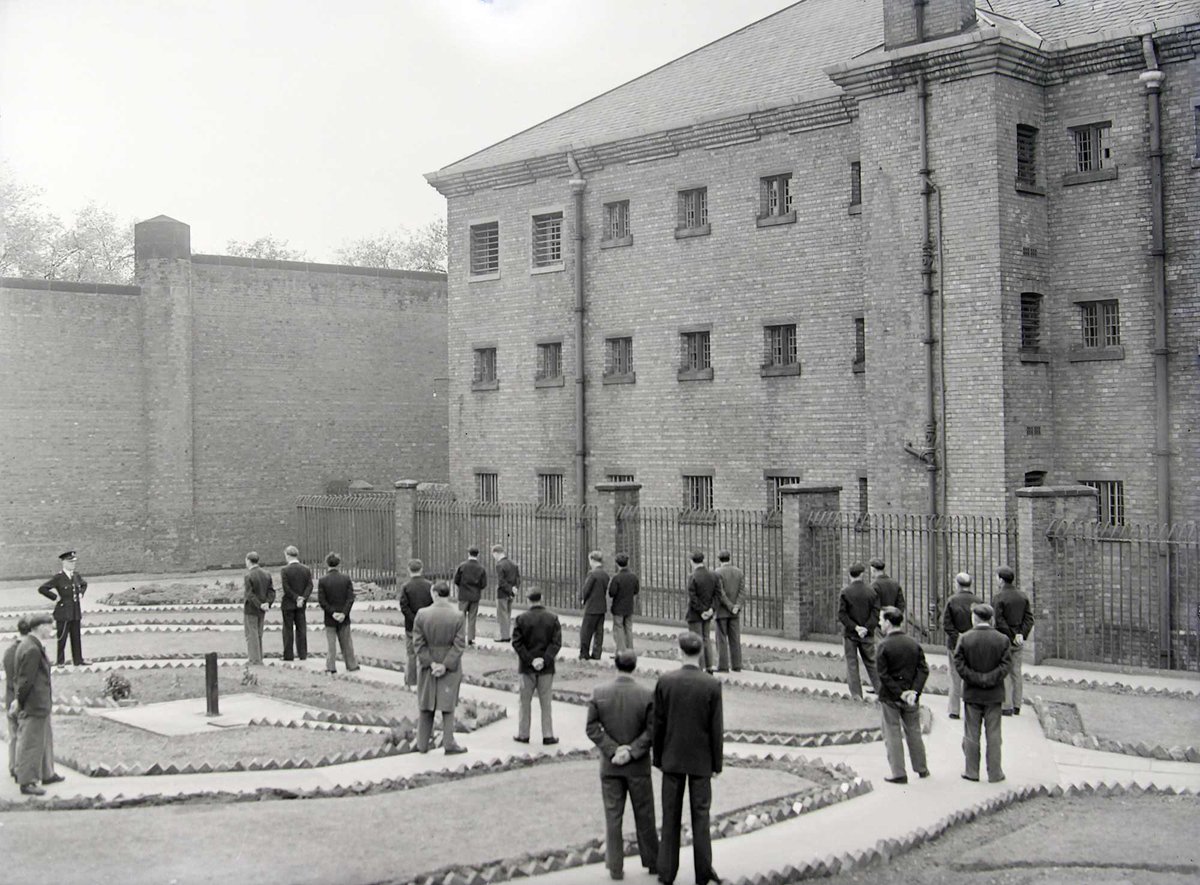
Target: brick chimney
{"type": "Point", "coordinates": [914, 21]}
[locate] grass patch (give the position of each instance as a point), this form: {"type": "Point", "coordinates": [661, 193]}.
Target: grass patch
{"type": "Point", "coordinates": [178, 593]}
{"type": "Point", "coordinates": [1167, 722]}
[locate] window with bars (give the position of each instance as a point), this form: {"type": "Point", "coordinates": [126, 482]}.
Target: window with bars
{"type": "Point", "coordinates": [775, 496]}
{"type": "Point", "coordinates": [693, 209]}
{"type": "Point", "coordinates": [779, 345]}
{"type": "Point", "coordinates": [1031, 321]}
{"type": "Point", "coordinates": [1027, 156]}
{"type": "Point", "coordinates": [1110, 501]}
{"type": "Point", "coordinates": [694, 351]}
{"type": "Point", "coordinates": [549, 360]}
{"type": "Point", "coordinates": [485, 365]}
{"type": "Point", "coordinates": [697, 492]}
{"type": "Point", "coordinates": [856, 183]}
{"type": "Point", "coordinates": [485, 248]}
{"type": "Point", "coordinates": [487, 488]}
{"type": "Point", "coordinates": [618, 356]}
{"type": "Point", "coordinates": [1091, 147]}
{"type": "Point", "coordinates": [860, 344]}
{"type": "Point", "coordinates": [550, 489]}
{"type": "Point", "coordinates": [775, 196]}
{"type": "Point", "coordinates": [1101, 324]}
{"type": "Point", "coordinates": [547, 239]}
{"type": "Point", "coordinates": [619, 477]}
{"type": "Point", "coordinates": [616, 221]}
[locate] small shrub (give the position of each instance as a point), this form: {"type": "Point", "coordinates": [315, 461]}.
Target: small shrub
{"type": "Point", "coordinates": [117, 687]}
{"type": "Point", "coordinates": [249, 677]}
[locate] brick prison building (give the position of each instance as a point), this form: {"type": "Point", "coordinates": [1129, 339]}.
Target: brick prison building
{"type": "Point", "coordinates": [929, 251]}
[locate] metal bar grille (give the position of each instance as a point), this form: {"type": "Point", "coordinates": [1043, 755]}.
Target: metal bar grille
{"type": "Point", "coordinates": [485, 248]}
{"type": "Point", "coordinates": [1027, 155]}
{"type": "Point", "coordinates": [547, 239]}
{"type": "Point", "coordinates": [360, 528]}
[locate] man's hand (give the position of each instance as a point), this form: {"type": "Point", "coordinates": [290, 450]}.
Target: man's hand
{"type": "Point", "coordinates": [538, 663]}
{"type": "Point", "coordinates": [909, 697]}
{"type": "Point", "coordinates": [1018, 640]}
{"type": "Point", "coordinates": [14, 708]}
{"type": "Point", "coordinates": [339, 617]}
{"type": "Point", "coordinates": [862, 632]}
{"type": "Point", "coordinates": [438, 670]}
{"type": "Point", "coordinates": [707, 614]}
{"type": "Point", "coordinates": [622, 755]}
{"type": "Point", "coordinates": [737, 609]}
{"type": "Point", "coordinates": [264, 605]}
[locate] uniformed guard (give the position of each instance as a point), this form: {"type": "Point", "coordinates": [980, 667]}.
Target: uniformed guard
{"type": "Point", "coordinates": [67, 589]}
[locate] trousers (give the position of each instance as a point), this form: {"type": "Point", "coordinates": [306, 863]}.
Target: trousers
{"type": "Point", "coordinates": [699, 790]}
{"type": "Point", "coordinates": [1013, 683]}
{"type": "Point", "coordinates": [35, 749]}
{"type": "Point", "coordinates": [253, 622]}
{"type": "Point", "coordinates": [543, 685]}
{"type": "Point", "coordinates": [295, 630]}
{"type": "Point", "coordinates": [729, 643]}
{"type": "Point", "coordinates": [703, 629]}
{"type": "Point", "coordinates": [69, 630]}
{"type": "Point", "coordinates": [425, 730]}
{"type": "Point", "coordinates": [955, 689]}
{"type": "Point", "coordinates": [623, 631]}
{"type": "Point", "coordinates": [591, 636]}
{"type": "Point", "coordinates": [640, 789]}
{"type": "Point", "coordinates": [471, 610]}
{"type": "Point", "coordinates": [906, 719]}
{"type": "Point", "coordinates": [855, 649]}
{"type": "Point", "coordinates": [410, 664]}
{"type": "Point", "coordinates": [339, 635]}
{"type": "Point", "coordinates": [504, 617]}
{"type": "Point", "coordinates": [987, 715]}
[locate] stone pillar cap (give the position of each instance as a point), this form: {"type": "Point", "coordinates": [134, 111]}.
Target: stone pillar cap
{"type": "Point", "coordinates": [406, 483]}
{"type": "Point", "coordinates": [1075, 491]}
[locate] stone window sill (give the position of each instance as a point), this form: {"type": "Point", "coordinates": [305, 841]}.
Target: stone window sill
{"type": "Point", "coordinates": [483, 277]}
{"type": "Point", "coordinates": [1096, 354]}
{"type": "Point", "coordinates": [1070, 178]}
{"type": "Point", "coordinates": [556, 381]}
{"type": "Point", "coordinates": [854, 209]}
{"type": "Point", "coordinates": [549, 268]}
{"type": "Point", "coordinates": [683, 233]}
{"type": "Point", "coordinates": [619, 241]}
{"type": "Point", "coordinates": [696, 374]}
{"type": "Point", "coordinates": [779, 371]}
{"type": "Point", "coordinates": [1034, 356]}
{"type": "Point", "coordinates": [1024, 187]}
{"type": "Point", "coordinates": [621, 378]}
{"type": "Point", "coordinates": [775, 220]}
{"type": "Point", "coordinates": [494, 384]}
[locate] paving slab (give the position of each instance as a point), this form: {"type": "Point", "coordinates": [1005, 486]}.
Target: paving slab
{"type": "Point", "coordinates": [189, 716]}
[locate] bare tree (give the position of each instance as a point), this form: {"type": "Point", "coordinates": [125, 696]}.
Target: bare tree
{"type": "Point", "coordinates": [265, 247]}
{"type": "Point", "coordinates": [422, 249]}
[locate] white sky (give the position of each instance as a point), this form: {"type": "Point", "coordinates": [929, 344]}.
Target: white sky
{"type": "Point", "coordinates": [310, 120]}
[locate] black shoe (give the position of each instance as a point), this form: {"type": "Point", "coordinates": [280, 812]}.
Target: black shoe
{"type": "Point", "coordinates": [32, 790]}
{"type": "Point", "coordinates": [923, 773]}
{"type": "Point", "coordinates": [616, 874]}
{"type": "Point", "coordinates": [501, 639]}
{"type": "Point", "coordinates": [549, 741]}
{"type": "Point", "coordinates": [955, 716]}
{"type": "Point", "coordinates": [991, 780]}
{"type": "Point", "coordinates": [55, 779]}
{"type": "Point", "coordinates": [353, 669]}
{"type": "Point", "coordinates": [903, 779]}
{"type": "Point", "coordinates": [1016, 711]}
{"type": "Point", "coordinates": [455, 750]}
{"type": "Point", "coordinates": [521, 740]}
{"type": "Point", "coordinates": [968, 777]}
{"type": "Point", "coordinates": [1006, 712]}
{"type": "Point", "coordinates": [81, 663]}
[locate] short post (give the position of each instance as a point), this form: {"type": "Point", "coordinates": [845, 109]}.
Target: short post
{"type": "Point", "coordinates": [210, 683]}
{"type": "Point", "coordinates": [799, 575]}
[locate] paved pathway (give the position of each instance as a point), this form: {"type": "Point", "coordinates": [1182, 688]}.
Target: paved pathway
{"type": "Point", "coordinates": [1030, 759]}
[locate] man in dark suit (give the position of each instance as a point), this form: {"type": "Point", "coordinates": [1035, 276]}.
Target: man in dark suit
{"type": "Point", "coordinates": [623, 589]}
{"type": "Point", "coordinates": [508, 582]}
{"type": "Point", "coordinates": [858, 611]}
{"type": "Point", "coordinates": [689, 749]}
{"type": "Point", "coordinates": [886, 587]}
{"type": "Point", "coordinates": [470, 582]}
{"type": "Point", "coordinates": [537, 640]}
{"type": "Point", "coordinates": [10, 693]}
{"type": "Point", "coordinates": [593, 600]}
{"type": "Point", "coordinates": [335, 595]}
{"type": "Point", "coordinates": [1014, 618]}
{"type": "Point", "coordinates": [296, 580]}
{"type": "Point", "coordinates": [982, 659]}
{"type": "Point", "coordinates": [440, 638]}
{"type": "Point", "coordinates": [704, 592]}
{"type": "Point", "coordinates": [66, 589]}
{"type": "Point", "coordinates": [729, 614]}
{"type": "Point", "coordinates": [31, 706]}
{"type": "Point", "coordinates": [258, 596]}
{"type": "Point", "coordinates": [956, 620]}
{"type": "Point", "coordinates": [416, 594]}
{"type": "Point", "coordinates": [900, 663]}
{"type": "Point", "coordinates": [620, 722]}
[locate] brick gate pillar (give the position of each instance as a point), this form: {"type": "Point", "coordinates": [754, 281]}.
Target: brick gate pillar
{"type": "Point", "coordinates": [798, 570]}
{"type": "Point", "coordinates": [1036, 509]}
{"type": "Point", "coordinates": [612, 535]}
{"type": "Point", "coordinates": [406, 526]}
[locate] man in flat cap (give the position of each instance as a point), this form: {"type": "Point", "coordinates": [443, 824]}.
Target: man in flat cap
{"type": "Point", "coordinates": [886, 587]}
{"type": "Point", "coordinates": [67, 589]}
{"type": "Point", "coordinates": [1014, 618]}
{"type": "Point", "coordinates": [439, 638]}
{"type": "Point", "coordinates": [297, 582]}
{"type": "Point", "coordinates": [258, 595]}
{"type": "Point", "coordinates": [956, 620]}
{"type": "Point", "coordinates": [470, 582]}
{"type": "Point", "coordinates": [31, 705]}
{"type": "Point", "coordinates": [981, 659]}
{"type": "Point", "coordinates": [729, 610]}
{"type": "Point", "coordinates": [858, 612]}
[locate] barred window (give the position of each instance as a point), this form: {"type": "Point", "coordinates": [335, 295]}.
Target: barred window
{"type": "Point", "coordinates": [1101, 323]}
{"type": "Point", "coordinates": [1031, 321]}
{"type": "Point", "coordinates": [1027, 155]}
{"type": "Point", "coordinates": [550, 489]}
{"type": "Point", "coordinates": [485, 364]}
{"type": "Point", "coordinates": [775, 195]}
{"type": "Point", "coordinates": [616, 220]}
{"type": "Point", "coordinates": [547, 239]}
{"type": "Point", "coordinates": [695, 352]}
{"type": "Point", "coordinates": [780, 345]}
{"type": "Point", "coordinates": [549, 360]}
{"type": "Point", "coordinates": [487, 487]}
{"type": "Point", "coordinates": [618, 356]}
{"type": "Point", "coordinates": [860, 343]}
{"type": "Point", "coordinates": [1091, 147]}
{"type": "Point", "coordinates": [775, 501]}
{"type": "Point", "coordinates": [1110, 501]}
{"type": "Point", "coordinates": [864, 498]}
{"type": "Point", "coordinates": [693, 208]}
{"type": "Point", "coordinates": [855, 183]}
{"type": "Point", "coordinates": [485, 248]}
{"type": "Point", "coordinates": [697, 492]}
{"type": "Point", "coordinates": [619, 477]}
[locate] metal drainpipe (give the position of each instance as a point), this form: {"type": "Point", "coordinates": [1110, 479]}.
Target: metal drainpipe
{"type": "Point", "coordinates": [578, 185]}
{"type": "Point", "coordinates": [1152, 79]}
{"type": "Point", "coordinates": [929, 452]}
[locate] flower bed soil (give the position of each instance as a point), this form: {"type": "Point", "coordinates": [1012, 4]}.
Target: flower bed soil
{"type": "Point", "coordinates": [178, 593]}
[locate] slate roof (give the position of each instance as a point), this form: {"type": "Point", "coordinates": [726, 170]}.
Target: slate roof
{"type": "Point", "coordinates": [778, 61]}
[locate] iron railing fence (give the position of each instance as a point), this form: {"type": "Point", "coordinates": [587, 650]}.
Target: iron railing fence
{"type": "Point", "coordinates": [360, 528]}
{"type": "Point", "coordinates": [1110, 584]}
{"type": "Point", "coordinates": [922, 552]}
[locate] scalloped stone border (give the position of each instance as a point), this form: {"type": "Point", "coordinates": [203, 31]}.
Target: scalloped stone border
{"type": "Point", "coordinates": [1109, 745]}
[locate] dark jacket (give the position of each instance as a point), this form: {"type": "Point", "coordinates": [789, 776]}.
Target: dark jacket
{"type": "Point", "coordinates": [508, 578]}
{"type": "Point", "coordinates": [536, 634]}
{"type": "Point", "coordinates": [10, 673]}
{"type": "Point", "coordinates": [704, 590]}
{"type": "Point", "coordinates": [623, 588]}
{"type": "Point", "coordinates": [732, 582]}
{"type": "Point", "coordinates": [1014, 612]}
{"type": "Point", "coordinates": [259, 589]}
{"type": "Point", "coordinates": [335, 593]}
{"type": "Point", "coordinates": [296, 580]}
{"type": "Point", "coordinates": [956, 618]}
{"type": "Point", "coordinates": [688, 723]}
{"type": "Point", "coordinates": [620, 713]}
{"type": "Point", "coordinates": [67, 591]}
{"type": "Point", "coordinates": [592, 594]}
{"type": "Point", "coordinates": [471, 580]}
{"type": "Point", "coordinates": [858, 606]}
{"type": "Point", "coordinates": [32, 687]}
{"type": "Point", "coordinates": [889, 591]}
{"type": "Point", "coordinates": [414, 595]}
{"type": "Point", "coordinates": [900, 663]}
{"type": "Point", "coordinates": [982, 658]}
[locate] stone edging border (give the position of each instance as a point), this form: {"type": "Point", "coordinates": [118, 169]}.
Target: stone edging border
{"type": "Point", "coordinates": [1054, 732]}
{"type": "Point", "coordinates": [732, 823]}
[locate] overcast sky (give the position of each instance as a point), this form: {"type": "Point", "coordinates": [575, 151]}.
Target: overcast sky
{"type": "Point", "coordinates": [310, 120]}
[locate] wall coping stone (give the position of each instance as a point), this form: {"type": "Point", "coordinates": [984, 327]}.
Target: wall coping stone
{"type": "Point", "coordinates": [68, 286]}
{"type": "Point", "coordinates": [316, 267]}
